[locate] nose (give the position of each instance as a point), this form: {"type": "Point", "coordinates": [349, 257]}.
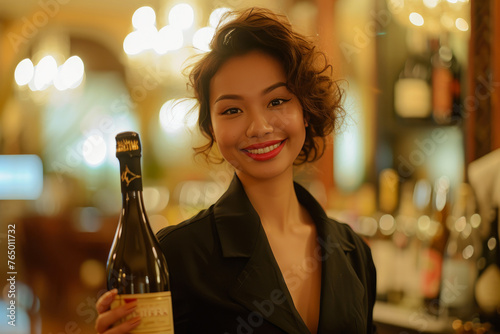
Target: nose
{"type": "Point", "coordinates": [259, 125]}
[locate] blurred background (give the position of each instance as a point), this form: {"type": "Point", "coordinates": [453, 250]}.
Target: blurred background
{"type": "Point", "coordinates": [414, 168]}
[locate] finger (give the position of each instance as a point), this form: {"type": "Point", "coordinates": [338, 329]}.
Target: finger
{"type": "Point", "coordinates": [105, 301]}
{"type": "Point", "coordinates": [126, 327]}
{"type": "Point", "coordinates": [107, 319]}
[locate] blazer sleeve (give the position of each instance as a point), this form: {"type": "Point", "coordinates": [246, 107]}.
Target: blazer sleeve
{"type": "Point", "coordinates": [364, 266]}
{"type": "Point", "coordinates": [180, 304]}
{"type": "Point", "coordinates": [372, 291]}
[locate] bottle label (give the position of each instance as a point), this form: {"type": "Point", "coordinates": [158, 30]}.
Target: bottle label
{"type": "Point", "coordinates": [155, 310]}
{"type": "Point", "coordinates": [457, 283]}
{"type": "Point", "coordinates": [412, 98]}
{"type": "Point", "coordinates": [127, 145]}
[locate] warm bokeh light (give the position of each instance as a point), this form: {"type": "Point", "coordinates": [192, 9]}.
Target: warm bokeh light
{"type": "Point", "coordinates": [422, 194]}
{"type": "Point", "coordinates": [67, 76]}
{"type": "Point", "coordinates": [94, 150]}
{"type": "Point", "coordinates": [424, 223]}
{"type": "Point", "coordinates": [416, 19]}
{"type": "Point", "coordinates": [181, 16]}
{"type": "Point", "coordinates": [70, 74]}
{"type": "Point", "coordinates": [468, 252]}
{"type": "Point", "coordinates": [447, 21]}
{"type": "Point", "coordinates": [176, 115]}
{"type": "Point", "coordinates": [140, 40]}
{"type": "Point", "coordinates": [461, 24]}
{"type": "Point", "coordinates": [216, 16]}
{"type": "Point", "coordinates": [368, 226]}
{"type": "Point", "coordinates": [460, 224]}
{"type": "Point", "coordinates": [148, 38]}
{"type": "Point", "coordinates": [143, 18]}
{"type": "Point", "coordinates": [132, 43]}
{"type": "Point", "coordinates": [491, 243]}
{"type": "Point", "coordinates": [24, 72]}
{"type": "Point", "coordinates": [387, 224]}
{"type": "Point", "coordinates": [431, 3]}
{"type": "Point", "coordinates": [440, 185]}
{"type": "Point", "coordinates": [45, 72]}
{"type": "Point", "coordinates": [435, 16]}
{"type": "Point", "coordinates": [202, 38]}
{"type": "Point", "coordinates": [169, 38]}
{"type": "Point", "coordinates": [156, 198]}
{"type": "Point", "coordinates": [475, 220]}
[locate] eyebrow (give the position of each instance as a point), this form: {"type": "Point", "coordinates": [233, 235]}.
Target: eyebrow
{"type": "Point", "coordinates": [239, 97]}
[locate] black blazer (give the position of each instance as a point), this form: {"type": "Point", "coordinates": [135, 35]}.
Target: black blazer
{"type": "Point", "coordinates": [224, 277]}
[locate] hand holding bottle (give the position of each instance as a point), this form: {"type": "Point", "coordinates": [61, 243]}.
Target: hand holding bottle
{"type": "Point", "coordinates": [108, 317]}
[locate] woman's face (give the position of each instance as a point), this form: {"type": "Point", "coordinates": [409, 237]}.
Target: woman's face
{"type": "Point", "coordinates": [257, 122]}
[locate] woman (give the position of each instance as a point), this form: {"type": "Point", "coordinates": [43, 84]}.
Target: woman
{"type": "Point", "coordinates": [264, 258]}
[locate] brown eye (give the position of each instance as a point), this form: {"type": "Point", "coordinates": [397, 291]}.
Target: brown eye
{"type": "Point", "coordinates": [277, 102]}
{"type": "Point", "coordinates": [231, 111]}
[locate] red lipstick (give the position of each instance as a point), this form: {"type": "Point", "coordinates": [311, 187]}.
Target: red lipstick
{"type": "Point", "coordinates": [264, 151]}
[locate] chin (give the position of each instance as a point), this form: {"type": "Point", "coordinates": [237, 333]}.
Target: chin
{"type": "Point", "coordinates": [263, 172]}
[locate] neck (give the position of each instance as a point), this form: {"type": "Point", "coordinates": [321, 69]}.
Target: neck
{"type": "Point", "coordinates": [274, 200]}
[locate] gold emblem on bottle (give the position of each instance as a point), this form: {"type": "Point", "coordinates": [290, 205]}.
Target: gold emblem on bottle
{"type": "Point", "coordinates": [128, 176]}
{"type": "Point", "coordinates": [127, 145]}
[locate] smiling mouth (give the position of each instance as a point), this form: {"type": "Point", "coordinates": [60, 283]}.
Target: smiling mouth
{"type": "Point", "coordinates": [265, 149]}
{"type": "Point", "coordinates": [259, 152]}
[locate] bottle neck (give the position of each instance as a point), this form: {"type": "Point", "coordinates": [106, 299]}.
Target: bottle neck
{"type": "Point", "coordinates": [132, 196]}
{"type": "Point", "coordinates": [130, 175]}
{"type": "Point", "coordinates": [133, 203]}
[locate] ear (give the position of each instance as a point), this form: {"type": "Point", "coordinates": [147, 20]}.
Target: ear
{"type": "Point", "coordinates": [305, 116]}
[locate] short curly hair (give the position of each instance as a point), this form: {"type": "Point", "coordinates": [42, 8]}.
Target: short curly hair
{"type": "Point", "coordinates": [309, 75]}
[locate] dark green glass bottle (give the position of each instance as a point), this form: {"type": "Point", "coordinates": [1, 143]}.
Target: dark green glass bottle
{"type": "Point", "coordinates": [136, 265]}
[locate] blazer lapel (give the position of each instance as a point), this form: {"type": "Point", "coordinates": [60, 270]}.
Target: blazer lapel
{"type": "Point", "coordinates": [262, 290]}
{"type": "Point", "coordinates": [260, 286]}
{"type": "Point", "coordinates": [341, 290]}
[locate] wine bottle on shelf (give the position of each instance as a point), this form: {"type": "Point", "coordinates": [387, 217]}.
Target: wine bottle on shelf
{"type": "Point", "coordinates": [445, 83]}
{"type": "Point", "coordinates": [136, 265]}
{"type": "Point", "coordinates": [433, 253]}
{"type": "Point", "coordinates": [406, 258]}
{"type": "Point", "coordinates": [461, 254]}
{"type": "Point", "coordinates": [412, 90]}
{"type": "Point", "coordinates": [383, 249]}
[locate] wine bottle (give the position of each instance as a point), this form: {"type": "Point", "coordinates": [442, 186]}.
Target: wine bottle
{"type": "Point", "coordinates": [445, 83]}
{"type": "Point", "coordinates": [433, 254]}
{"type": "Point", "coordinates": [461, 254]}
{"type": "Point", "coordinates": [136, 265]}
{"type": "Point", "coordinates": [412, 90]}
{"type": "Point", "coordinates": [382, 245]}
